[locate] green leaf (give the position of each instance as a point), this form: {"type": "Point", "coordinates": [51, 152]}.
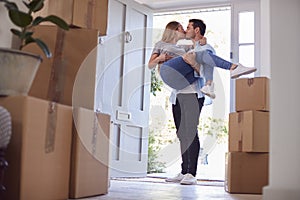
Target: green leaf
{"type": "Point", "coordinates": [11, 5]}
{"type": "Point", "coordinates": [16, 32]}
{"type": "Point", "coordinates": [26, 4]}
{"type": "Point", "coordinates": [28, 34]}
{"type": "Point", "coordinates": [20, 34]}
{"type": "Point", "coordinates": [37, 21]}
{"type": "Point", "coordinates": [58, 21]}
{"type": "Point", "coordinates": [41, 44]}
{"type": "Point", "coordinates": [53, 19]}
{"type": "Point", "coordinates": [19, 18]}
{"type": "Point", "coordinates": [44, 47]}
{"type": "Point", "coordinates": [36, 5]}
{"type": "Point", "coordinates": [29, 40]}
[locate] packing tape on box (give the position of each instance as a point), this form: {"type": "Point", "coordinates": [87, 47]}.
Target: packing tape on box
{"type": "Point", "coordinates": [51, 127]}
{"type": "Point", "coordinates": [57, 77]}
{"type": "Point", "coordinates": [250, 81]}
{"type": "Point", "coordinates": [94, 136]}
{"type": "Point", "coordinates": [90, 13]}
{"type": "Point", "coordinates": [240, 142]}
{"type": "Point", "coordinates": [240, 117]}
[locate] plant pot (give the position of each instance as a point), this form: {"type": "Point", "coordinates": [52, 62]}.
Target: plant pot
{"type": "Point", "coordinates": [17, 71]}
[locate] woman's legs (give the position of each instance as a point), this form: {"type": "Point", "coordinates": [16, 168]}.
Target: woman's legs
{"type": "Point", "coordinates": [177, 74]}
{"type": "Point", "coordinates": [208, 88]}
{"type": "Point", "coordinates": [211, 60]}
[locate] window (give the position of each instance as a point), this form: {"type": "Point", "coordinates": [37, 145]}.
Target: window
{"type": "Point", "coordinates": [246, 39]}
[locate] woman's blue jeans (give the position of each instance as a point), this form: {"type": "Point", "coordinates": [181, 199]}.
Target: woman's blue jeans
{"type": "Point", "coordinates": [177, 74]}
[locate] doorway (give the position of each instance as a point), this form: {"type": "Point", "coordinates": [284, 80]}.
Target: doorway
{"type": "Point", "coordinates": [213, 125]}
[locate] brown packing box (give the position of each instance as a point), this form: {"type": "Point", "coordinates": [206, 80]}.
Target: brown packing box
{"type": "Point", "coordinates": [91, 14]}
{"type": "Point", "coordinates": [63, 9]}
{"type": "Point", "coordinates": [246, 172]}
{"type": "Point", "coordinates": [90, 154]}
{"type": "Point", "coordinates": [252, 94]}
{"type": "Point", "coordinates": [249, 131]}
{"type": "Point", "coordinates": [38, 154]}
{"type": "Point", "coordinates": [56, 76]}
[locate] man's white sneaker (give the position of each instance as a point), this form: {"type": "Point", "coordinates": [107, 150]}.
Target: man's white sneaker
{"type": "Point", "coordinates": [176, 178]}
{"type": "Point", "coordinates": [241, 70]}
{"type": "Point", "coordinates": [188, 179]}
{"type": "Point", "coordinates": [209, 90]}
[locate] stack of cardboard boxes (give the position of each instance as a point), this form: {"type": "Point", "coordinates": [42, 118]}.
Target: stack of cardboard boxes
{"type": "Point", "coordinates": [58, 150]}
{"type": "Point", "coordinates": [248, 156]}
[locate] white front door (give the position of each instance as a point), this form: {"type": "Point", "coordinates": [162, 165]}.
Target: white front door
{"type": "Point", "coordinates": [123, 86]}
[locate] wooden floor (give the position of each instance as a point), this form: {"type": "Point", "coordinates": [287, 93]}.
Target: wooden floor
{"type": "Point", "coordinates": [150, 189]}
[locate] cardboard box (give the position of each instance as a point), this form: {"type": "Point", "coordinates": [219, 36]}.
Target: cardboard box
{"type": "Point", "coordinates": [252, 94]}
{"type": "Point", "coordinates": [63, 9]}
{"type": "Point", "coordinates": [90, 154]}
{"type": "Point", "coordinates": [249, 131]}
{"type": "Point", "coordinates": [38, 154]}
{"type": "Point", "coordinates": [246, 172]}
{"type": "Point", "coordinates": [72, 51]}
{"type": "Point", "coordinates": [91, 14]}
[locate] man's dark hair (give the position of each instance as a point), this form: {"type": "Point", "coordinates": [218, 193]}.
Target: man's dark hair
{"type": "Point", "coordinates": [199, 23]}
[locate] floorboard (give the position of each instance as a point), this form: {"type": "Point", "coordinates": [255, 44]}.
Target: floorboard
{"type": "Point", "coordinates": [149, 189]}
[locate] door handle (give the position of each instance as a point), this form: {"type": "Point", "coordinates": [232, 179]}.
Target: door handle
{"type": "Point", "coordinates": [128, 37]}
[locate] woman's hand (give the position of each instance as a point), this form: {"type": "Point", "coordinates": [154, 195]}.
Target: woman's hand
{"type": "Point", "coordinates": [190, 58]}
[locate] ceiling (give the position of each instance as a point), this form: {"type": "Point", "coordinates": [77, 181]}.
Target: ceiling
{"type": "Point", "coordinates": [166, 5]}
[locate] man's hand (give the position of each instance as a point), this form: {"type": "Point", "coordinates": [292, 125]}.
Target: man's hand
{"type": "Point", "coordinates": [163, 58]}
{"type": "Point", "coordinates": [168, 57]}
{"type": "Point", "coordinates": [203, 41]}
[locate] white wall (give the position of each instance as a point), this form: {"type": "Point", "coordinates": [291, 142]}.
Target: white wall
{"type": "Point", "coordinates": [6, 24]}
{"type": "Point", "coordinates": [5, 34]}
{"type": "Point", "coordinates": [265, 39]}
{"type": "Point", "coordinates": [282, 51]}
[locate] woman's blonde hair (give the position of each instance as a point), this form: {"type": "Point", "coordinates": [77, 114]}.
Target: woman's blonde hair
{"type": "Point", "coordinates": [170, 31]}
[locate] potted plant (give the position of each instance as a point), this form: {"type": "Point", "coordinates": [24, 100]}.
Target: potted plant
{"type": "Point", "coordinates": [18, 68]}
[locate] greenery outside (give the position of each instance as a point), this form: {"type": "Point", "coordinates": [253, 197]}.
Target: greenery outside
{"type": "Point", "coordinates": [158, 139]}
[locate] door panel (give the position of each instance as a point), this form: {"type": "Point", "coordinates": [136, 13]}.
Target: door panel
{"type": "Point", "coordinates": [123, 86]}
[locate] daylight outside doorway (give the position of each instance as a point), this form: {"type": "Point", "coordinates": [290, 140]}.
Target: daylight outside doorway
{"type": "Point", "coordinates": [164, 153]}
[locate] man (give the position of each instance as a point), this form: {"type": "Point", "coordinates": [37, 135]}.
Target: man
{"type": "Point", "coordinates": [187, 104]}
